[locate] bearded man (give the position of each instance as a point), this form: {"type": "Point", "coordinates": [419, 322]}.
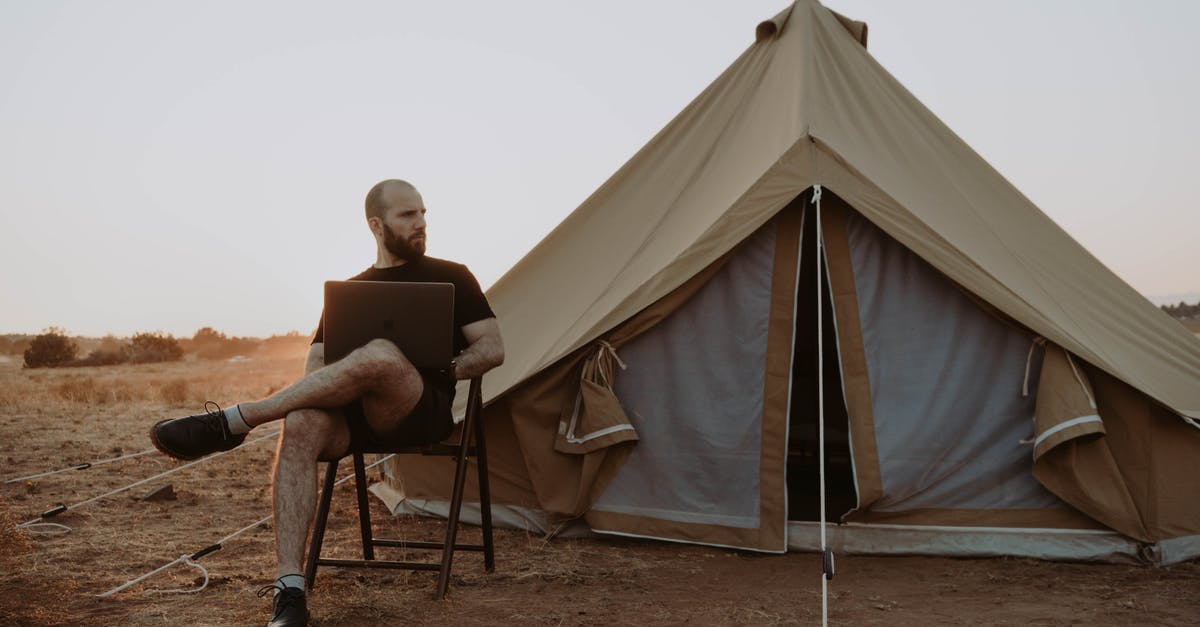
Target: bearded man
{"type": "Point", "coordinates": [399, 403]}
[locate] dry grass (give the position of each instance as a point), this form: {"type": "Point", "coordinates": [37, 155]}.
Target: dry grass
{"type": "Point", "coordinates": [54, 418]}
{"type": "Point", "coordinates": [180, 384]}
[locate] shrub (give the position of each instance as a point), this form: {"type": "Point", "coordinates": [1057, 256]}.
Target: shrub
{"type": "Point", "coordinates": [51, 348]}
{"type": "Point", "coordinates": [147, 348]}
{"type": "Point", "coordinates": [209, 343]}
{"type": "Point", "coordinates": [100, 357]}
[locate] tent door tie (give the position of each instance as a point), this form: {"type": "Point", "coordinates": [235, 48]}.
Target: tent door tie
{"type": "Point", "coordinates": [1037, 341]}
{"type": "Point", "coordinates": [1082, 385]}
{"type": "Point", "coordinates": [602, 363]}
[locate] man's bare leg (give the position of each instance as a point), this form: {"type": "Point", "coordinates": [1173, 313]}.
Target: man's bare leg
{"type": "Point", "coordinates": [308, 435]}
{"type": "Point", "coordinates": [377, 373]}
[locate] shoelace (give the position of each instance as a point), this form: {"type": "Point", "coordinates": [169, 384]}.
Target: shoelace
{"type": "Point", "coordinates": [218, 423]}
{"type": "Point", "coordinates": [283, 599]}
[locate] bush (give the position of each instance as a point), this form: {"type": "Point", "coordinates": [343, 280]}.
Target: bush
{"type": "Point", "coordinates": [148, 348]}
{"type": "Point", "coordinates": [100, 357]}
{"type": "Point", "coordinates": [1183, 311]}
{"type": "Point", "coordinates": [51, 348]}
{"type": "Point", "coordinates": [209, 343]}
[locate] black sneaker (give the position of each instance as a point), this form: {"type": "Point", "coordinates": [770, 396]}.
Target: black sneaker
{"type": "Point", "coordinates": [291, 610]}
{"type": "Point", "coordinates": [195, 436]}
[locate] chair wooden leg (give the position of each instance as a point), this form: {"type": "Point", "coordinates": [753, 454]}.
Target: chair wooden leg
{"type": "Point", "coordinates": [364, 507]}
{"type": "Point", "coordinates": [314, 549]}
{"type": "Point", "coordinates": [460, 477]}
{"type": "Point", "coordinates": [485, 497]}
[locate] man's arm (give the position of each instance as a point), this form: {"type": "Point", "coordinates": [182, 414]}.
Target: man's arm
{"type": "Point", "coordinates": [485, 349]}
{"type": "Point", "coordinates": [316, 358]}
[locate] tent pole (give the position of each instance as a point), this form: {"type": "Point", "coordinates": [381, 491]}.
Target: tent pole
{"type": "Point", "coordinates": [826, 553]}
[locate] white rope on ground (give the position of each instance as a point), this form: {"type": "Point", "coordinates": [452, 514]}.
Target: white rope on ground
{"type": "Point", "coordinates": [186, 560]}
{"type": "Point", "coordinates": [826, 561]}
{"type": "Point", "coordinates": [32, 525]}
{"type": "Point", "coordinates": [39, 528]}
{"type": "Point", "coordinates": [191, 559]}
{"type": "Point", "coordinates": [83, 466]}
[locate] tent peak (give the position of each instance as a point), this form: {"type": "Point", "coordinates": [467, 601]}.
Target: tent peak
{"type": "Point", "coordinates": [773, 28]}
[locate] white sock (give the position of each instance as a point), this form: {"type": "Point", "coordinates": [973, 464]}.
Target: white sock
{"type": "Point", "coordinates": [237, 424]}
{"type": "Point", "coordinates": [290, 581]}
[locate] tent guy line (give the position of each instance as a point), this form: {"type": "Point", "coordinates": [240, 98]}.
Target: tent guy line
{"type": "Point", "coordinates": [83, 466]}
{"type": "Point", "coordinates": [39, 525]}
{"type": "Point", "coordinates": [192, 558]}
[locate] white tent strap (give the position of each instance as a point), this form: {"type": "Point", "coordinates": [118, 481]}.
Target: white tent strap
{"type": "Point", "coordinates": [1190, 421]}
{"type": "Point", "coordinates": [1037, 341]}
{"type": "Point", "coordinates": [1062, 426]}
{"type": "Point", "coordinates": [64, 508]}
{"type": "Point", "coordinates": [1083, 386]}
{"type": "Point", "coordinates": [192, 558]}
{"type": "Point", "coordinates": [83, 466]}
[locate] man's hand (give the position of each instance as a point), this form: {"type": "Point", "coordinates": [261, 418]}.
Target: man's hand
{"type": "Point", "coordinates": [485, 349]}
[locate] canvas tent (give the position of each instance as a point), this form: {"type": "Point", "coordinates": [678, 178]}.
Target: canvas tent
{"type": "Point", "coordinates": [990, 387]}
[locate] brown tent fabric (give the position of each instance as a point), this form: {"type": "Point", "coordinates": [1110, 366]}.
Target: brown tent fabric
{"type": "Point", "coordinates": [1128, 476]}
{"type": "Point", "coordinates": [856, 383]}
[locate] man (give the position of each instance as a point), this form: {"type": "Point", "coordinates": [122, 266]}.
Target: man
{"type": "Point", "coordinates": [399, 403]}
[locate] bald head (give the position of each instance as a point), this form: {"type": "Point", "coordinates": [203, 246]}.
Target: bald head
{"type": "Point", "coordinates": [385, 194]}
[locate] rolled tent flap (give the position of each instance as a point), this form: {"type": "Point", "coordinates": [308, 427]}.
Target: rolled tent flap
{"type": "Point", "coordinates": [594, 419]}
{"type": "Point", "coordinates": [1066, 405]}
{"type": "Point", "coordinates": [1071, 457]}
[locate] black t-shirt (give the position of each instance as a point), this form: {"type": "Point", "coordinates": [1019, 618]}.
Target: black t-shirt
{"type": "Point", "coordinates": [470, 305]}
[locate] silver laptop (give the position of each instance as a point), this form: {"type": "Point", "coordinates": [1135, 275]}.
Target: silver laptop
{"type": "Point", "coordinates": [417, 317]}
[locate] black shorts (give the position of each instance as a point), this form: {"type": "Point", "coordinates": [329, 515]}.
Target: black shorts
{"type": "Point", "coordinates": [429, 422]}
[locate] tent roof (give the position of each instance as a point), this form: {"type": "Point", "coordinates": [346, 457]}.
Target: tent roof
{"type": "Point", "coordinates": [806, 104]}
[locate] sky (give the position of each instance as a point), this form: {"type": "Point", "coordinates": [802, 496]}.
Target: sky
{"type": "Point", "coordinates": [170, 165]}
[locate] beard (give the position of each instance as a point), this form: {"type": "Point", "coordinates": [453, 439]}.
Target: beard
{"type": "Point", "coordinates": [411, 249]}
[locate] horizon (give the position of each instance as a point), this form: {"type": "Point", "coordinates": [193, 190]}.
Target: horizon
{"type": "Point", "coordinates": [154, 182]}
{"type": "Point", "coordinates": [1170, 300]}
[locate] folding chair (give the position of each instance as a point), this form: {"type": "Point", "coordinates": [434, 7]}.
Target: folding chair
{"type": "Point", "coordinates": [460, 450]}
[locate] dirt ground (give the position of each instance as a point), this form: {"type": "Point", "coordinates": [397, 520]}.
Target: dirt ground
{"type": "Point", "coordinates": [53, 419]}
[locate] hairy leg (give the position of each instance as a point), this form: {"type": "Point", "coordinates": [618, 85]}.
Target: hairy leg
{"type": "Point", "coordinates": [378, 373]}
{"type": "Point", "coordinates": [308, 434]}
